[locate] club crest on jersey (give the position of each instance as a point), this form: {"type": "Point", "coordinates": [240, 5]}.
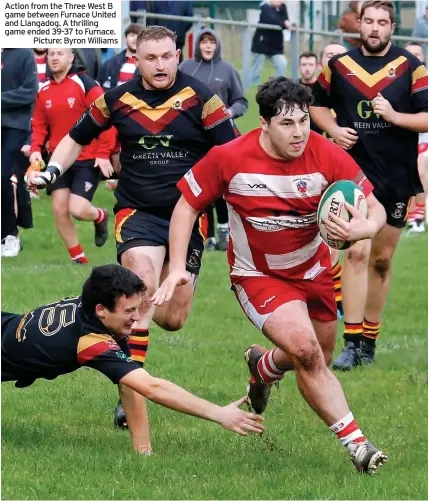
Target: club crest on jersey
{"type": "Point", "coordinates": [391, 72]}
{"type": "Point", "coordinates": [71, 101]}
{"type": "Point", "coordinates": [48, 104]}
{"type": "Point", "coordinates": [399, 210]}
{"type": "Point", "coordinates": [301, 186]}
{"type": "Point", "coordinates": [88, 186]}
{"type": "Point", "coordinates": [177, 104]}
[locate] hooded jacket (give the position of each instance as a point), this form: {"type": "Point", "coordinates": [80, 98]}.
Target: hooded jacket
{"type": "Point", "coordinates": [218, 75]}
{"type": "Point", "coordinates": [270, 42]}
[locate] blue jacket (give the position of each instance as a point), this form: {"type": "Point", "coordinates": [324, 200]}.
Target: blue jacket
{"type": "Point", "coordinates": [175, 8]}
{"type": "Point", "coordinates": [270, 42]}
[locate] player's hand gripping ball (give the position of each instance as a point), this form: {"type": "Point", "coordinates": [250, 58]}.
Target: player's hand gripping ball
{"type": "Point", "coordinates": [333, 202]}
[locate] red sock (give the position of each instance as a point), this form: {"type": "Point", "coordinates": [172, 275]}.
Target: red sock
{"type": "Point", "coordinates": [138, 343]}
{"type": "Point", "coordinates": [420, 211]}
{"type": "Point", "coordinates": [268, 371]}
{"type": "Point", "coordinates": [102, 216]}
{"type": "Point", "coordinates": [77, 254]}
{"type": "Point", "coordinates": [371, 330]}
{"type": "Point", "coordinates": [347, 430]}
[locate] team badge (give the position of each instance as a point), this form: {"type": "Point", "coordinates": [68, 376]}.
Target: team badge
{"type": "Point", "coordinates": [88, 186]}
{"type": "Point", "coordinates": [48, 104]}
{"type": "Point", "coordinates": [302, 187]}
{"type": "Point", "coordinates": [391, 72]}
{"type": "Point", "coordinates": [71, 101]}
{"type": "Point", "coordinates": [177, 104]}
{"type": "Point", "coordinates": [399, 210]}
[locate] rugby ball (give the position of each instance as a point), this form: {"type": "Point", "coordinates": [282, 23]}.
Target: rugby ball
{"type": "Point", "coordinates": [333, 201]}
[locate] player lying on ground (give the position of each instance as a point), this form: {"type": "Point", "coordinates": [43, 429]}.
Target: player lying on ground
{"type": "Point", "coordinates": [91, 330]}
{"type": "Point", "coordinates": [280, 267]}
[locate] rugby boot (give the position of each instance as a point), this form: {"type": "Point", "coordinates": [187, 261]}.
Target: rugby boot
{"type": "Point", "coordinates": [210, 244]}
{"type": "Point", "coordinates": [367, 352]}
{"type": "Point", "coordinates": [257, 390]}
{"type": "Point", "coordinates": [366, 457]}
{"type": "Point", "coordinates": [120, 416]}
{"type": "Point", "coordinates": [349, 358]}
{"type": "Point", "coordinates": [101, 231]}
{"type": "Point", "coordinates": [223, 239]}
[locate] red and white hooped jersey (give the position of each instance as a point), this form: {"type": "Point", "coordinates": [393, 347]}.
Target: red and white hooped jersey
{"type": "Point", "coordinates": [272, 203]}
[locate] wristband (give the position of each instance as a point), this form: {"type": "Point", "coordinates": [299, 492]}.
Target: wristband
{"type": "Point", "coordinates": [55, 169]}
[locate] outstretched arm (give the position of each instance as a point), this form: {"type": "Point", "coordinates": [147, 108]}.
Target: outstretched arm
{"type": "Point", "coordinates": [174, 397]}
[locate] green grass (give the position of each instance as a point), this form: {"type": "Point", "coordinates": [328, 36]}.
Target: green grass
{"type": "Point", "coordinates": [58, 441]}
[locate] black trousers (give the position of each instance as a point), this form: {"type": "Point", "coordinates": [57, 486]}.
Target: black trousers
{"type": "Point", "coordinates": [222, 215]}
{"type": "Point", "coordinates": [12, 141]}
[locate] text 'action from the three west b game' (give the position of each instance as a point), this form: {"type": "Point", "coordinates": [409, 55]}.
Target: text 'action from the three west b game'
{"type": "Point", "coordinates": [76, 23]}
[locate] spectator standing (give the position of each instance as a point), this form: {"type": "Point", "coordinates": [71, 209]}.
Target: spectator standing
{"type": "Point", "coordinates": [270, 43]}
{"type": "Point", "coordinates": [224, 80]}
{"type": "Point", "coordinates": [121, 68]}
{"type": "Point", "coordinates": [421, 29]}
{"type": "Point", "coordinates": [350, 23]}
{"type": "Point", "coordinates": [19, 84]}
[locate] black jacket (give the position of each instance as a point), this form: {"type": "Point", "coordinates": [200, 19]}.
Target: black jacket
{"type": "Point", "coordinates": [19, 86]}
{"type": "Point", "coordinates": [270, 42]}
{"type": "Point", "coordinates": [108, 75]}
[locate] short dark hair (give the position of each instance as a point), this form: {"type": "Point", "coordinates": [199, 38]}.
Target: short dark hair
{"type": "Point", "coordinates": [106, 284]}
{"type": "Point", "coordinates": [380, 4]}
{"type": "Point", "coordinates": [415, 44]}
{"type": "Point", "coordinates": [308, 54]}
{"type": "Point", "coordinates": [134, 28]}
{"type": "Point", "coordinates": [278, 92]}
{"type": "Point", "coordinates": [155, 33]}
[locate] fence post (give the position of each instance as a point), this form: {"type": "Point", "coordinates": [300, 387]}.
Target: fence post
{"type": "Point", "coordinates": [246, 56]}
{"type": "Point", "coordinates": [294, 49]}
{"type": "Point", "coordinates": [196, 28]}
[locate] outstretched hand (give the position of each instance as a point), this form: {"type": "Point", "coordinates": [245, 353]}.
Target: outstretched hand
{"type": "Point", "coordinates": [232, 418]}
{"type": "Point", "coordinates": [167, 288]}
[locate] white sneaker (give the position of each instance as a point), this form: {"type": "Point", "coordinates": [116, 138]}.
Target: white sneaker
{"type": "Point", "coordinates": [11, 246]}
{"type": "Point", "coordinates": [416, 227]}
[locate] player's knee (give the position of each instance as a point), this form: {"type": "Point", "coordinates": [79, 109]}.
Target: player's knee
{"type": "Point", "coordinates": [307, 354]}
{"type": "Point", "coordinates": [143, 267]}
{"type": "Point", "coordinates": [173, 323]}
{"type": "Point", "coordinates": [59, 209]}
{"type": "Point", "coordinates": [382, 267]}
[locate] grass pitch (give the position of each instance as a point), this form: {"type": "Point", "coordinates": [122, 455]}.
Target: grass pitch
{"type": "Point", "coordinates": [58, 441]}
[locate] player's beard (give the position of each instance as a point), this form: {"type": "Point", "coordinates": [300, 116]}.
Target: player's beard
{"type": "Point", "coordinates": [132, 50]}
{"type": "Point", "coordinates": [379, 47]}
